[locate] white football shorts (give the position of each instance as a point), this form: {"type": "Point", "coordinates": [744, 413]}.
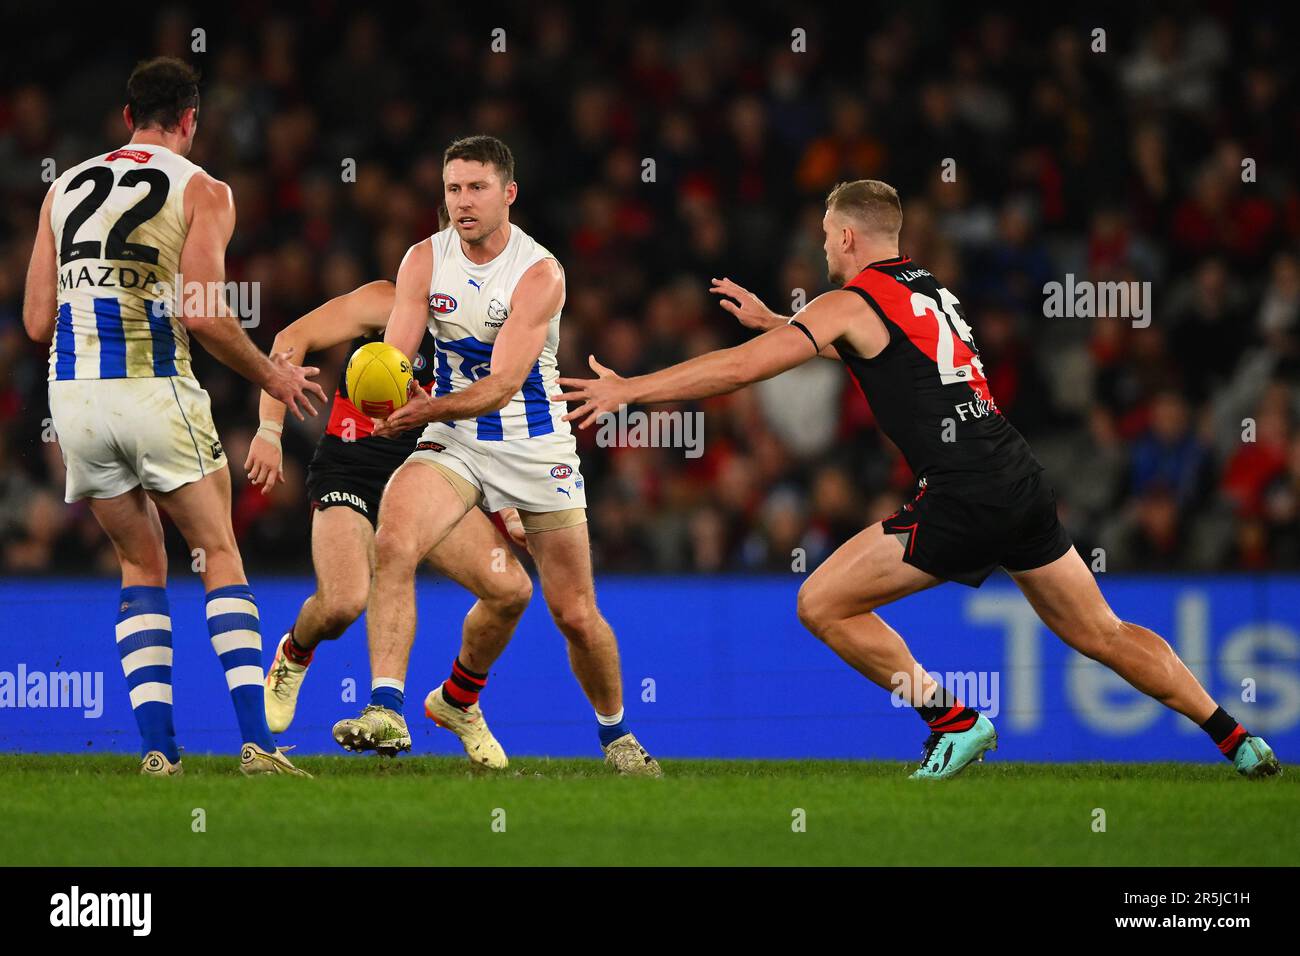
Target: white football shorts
{"type": "Point", "coordinates": [538, 474]}
{"type": "Point", "coordinates": [117, 433]}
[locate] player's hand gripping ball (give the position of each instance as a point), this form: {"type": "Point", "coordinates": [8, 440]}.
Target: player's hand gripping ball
{"type": "Point", "coordinates": [378, 379]}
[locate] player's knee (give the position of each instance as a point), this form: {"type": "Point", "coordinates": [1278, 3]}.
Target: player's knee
{"type": "Point", "coordinates": [812, 610]}
{"type": "Point", "coordinates": [394, 550]}
{"type": "Point", "coordinates": [340, 609]}
{"type": "Point", "coordinates": [576, 619]}
{"type": "Point", "coordinates": [511, 595]}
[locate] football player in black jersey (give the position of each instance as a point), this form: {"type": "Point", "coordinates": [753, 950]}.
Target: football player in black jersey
{"type": "Point", "coordinates": [345, 482]}
{"type": "Point", "coordinates": [980, 503]}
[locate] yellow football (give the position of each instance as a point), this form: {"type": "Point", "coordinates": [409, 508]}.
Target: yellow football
{"type": "Point", "coordinates": [377, 379]}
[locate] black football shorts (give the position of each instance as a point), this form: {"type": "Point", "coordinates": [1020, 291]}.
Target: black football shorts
{"type": "Point", "coordinates": [352, 474]}
{"type": "Point", "coordinates": [964, 539]}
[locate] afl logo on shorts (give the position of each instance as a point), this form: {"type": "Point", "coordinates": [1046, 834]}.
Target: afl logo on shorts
{"type": "Point", "coordinates": [418, 363]}
{"type": "Point", "coordinates": [561, 472]}
{"type": "Point", "coordinates": [442, 303]}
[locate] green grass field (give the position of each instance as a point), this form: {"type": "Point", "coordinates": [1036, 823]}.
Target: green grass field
{"type": "Point", "coordinates": [95, 810]}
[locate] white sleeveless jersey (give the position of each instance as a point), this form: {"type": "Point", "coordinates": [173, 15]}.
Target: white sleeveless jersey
{"type": "Point", "coordinates": [468, 305]}
{"type": "Point", "coordinates": [119, 225]}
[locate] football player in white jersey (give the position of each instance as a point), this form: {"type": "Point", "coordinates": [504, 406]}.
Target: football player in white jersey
{"type": "Point", "coordinates": [128, 245]}
{"type": "Point", "coordinates": [491, 296]}
{"type": "Point", "coordinates": [345, 482]}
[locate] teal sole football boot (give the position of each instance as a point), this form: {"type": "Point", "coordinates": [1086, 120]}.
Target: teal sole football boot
{"type": "Point", "coordinates": [1255, 759]}
{"type": "Point", "coordinates": [948, 754]}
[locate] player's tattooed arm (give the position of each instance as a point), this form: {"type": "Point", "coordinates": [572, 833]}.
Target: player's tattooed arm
{"type": "Point", "coordinates": [41, 299]}
{"type": "Point", "coordinates": [752, 313]}
{"type": "Point", "coordinates": [341, 319]}
{"type": "Point", "coordinates": [210, 209]}
{"type": "Point", "coordinates": [538, 295]}
{"type": "Point", "coordinates": [826, 319]}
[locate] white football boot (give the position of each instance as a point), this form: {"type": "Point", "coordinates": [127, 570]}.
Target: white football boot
{"type": "Point", "coordinates": [377, 728]}
{"type": "Point", "coordinates": [470, 726]}
{"type": "Point", "coordinates": [283, 681]}
{"type": "Point", "coordinates": [254, 761]}
{"type": "Point", "coordinates": [156, 764]}
{"type": "Point", "coordinates": [628, 757]}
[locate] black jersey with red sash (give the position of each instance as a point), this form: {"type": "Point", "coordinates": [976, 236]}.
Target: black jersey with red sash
{"type": "Point", "coordinates": [349, 423]}
{"type": "Point", "coordinates": [927, 388]}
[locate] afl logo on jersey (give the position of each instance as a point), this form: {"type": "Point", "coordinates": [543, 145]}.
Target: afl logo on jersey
{"type": "Point", "coordinates": [442, 303]}
{"type": "Point", "coordinates": [561, 472]}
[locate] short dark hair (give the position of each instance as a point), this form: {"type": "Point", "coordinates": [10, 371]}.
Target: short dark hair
{"type": "Point", "coordinates": [160, 90]}
{"type": "Point", "coordinates": [484, 149]}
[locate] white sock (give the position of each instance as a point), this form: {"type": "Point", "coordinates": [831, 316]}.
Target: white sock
{"type": "Point", "coordinates": [612, 721]}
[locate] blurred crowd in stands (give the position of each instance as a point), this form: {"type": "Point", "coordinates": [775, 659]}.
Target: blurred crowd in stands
{"type": "Point", "coordinates": [1170, 158]}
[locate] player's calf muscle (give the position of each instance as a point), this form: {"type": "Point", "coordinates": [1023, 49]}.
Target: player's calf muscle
{"type": "Point", "coordinates": [1066, 597]}
{"type": "Point", "coordinates": [132, 525]}
{"type": "Point", "coordinates": [143, 566]}
{"type": "Point", "coordinates": [201, 511]}
{"type": "Point", "coordinates": [1098, 639]}
{"type": "Point", "coordinates": [487, 630]}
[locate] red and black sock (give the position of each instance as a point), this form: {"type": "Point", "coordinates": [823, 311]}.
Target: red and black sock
{"type": "Point", "coordinates": [462, 688]}
{"type": "Point", "coordinates": [296, 652]}
{"type": "Point", "coordinates": [946, 714]}
{"type": "Point", "coordinates": [1226, 733]}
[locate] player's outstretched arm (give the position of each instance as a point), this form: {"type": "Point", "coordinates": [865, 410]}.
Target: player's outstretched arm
{"type": "Point", "coordinates": [41, 299]}
{"type": "Point", "coordinates": [203, 265]}
{"type": "Point", "coordinates": [825, 319]}
{"type": "Point", "coordinates": [538, 295]}
{"type": "Point", "coordinates": [752, 313]}
{"type": "Point", "coordinates": [341, 319]}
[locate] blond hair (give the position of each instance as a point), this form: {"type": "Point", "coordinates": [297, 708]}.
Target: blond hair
{"type": "Point", "coordinates": [870, 203]}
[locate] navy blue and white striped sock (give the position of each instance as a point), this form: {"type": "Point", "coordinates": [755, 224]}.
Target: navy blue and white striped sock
{"type": "Point", "coordinates": [237, 638]}
{"type": "Point", "coordinates": [144, 642]}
